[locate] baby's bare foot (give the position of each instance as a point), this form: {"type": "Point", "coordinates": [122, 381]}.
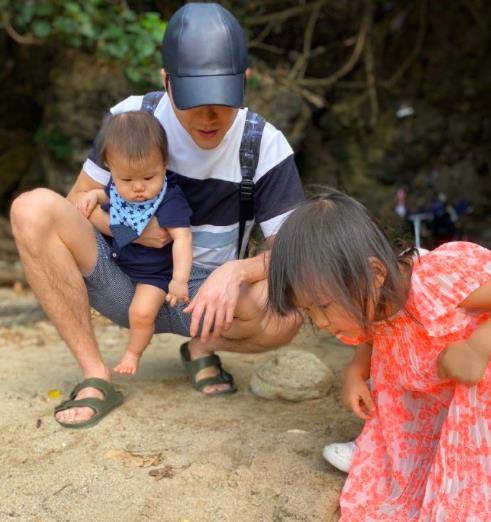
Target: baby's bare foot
{"type": "Point", "coordinates": [128, 364]}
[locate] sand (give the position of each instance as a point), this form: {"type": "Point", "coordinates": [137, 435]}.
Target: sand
{"type": "Point", "coordinates": [168, 454]}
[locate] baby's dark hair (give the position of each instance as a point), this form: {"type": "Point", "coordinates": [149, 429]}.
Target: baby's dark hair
{"type": "Point", "coordinates": [323, 250]}
{"type": "Point", "coordinates": [131, 134]}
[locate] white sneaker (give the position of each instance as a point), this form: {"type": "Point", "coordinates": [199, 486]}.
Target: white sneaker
{"type": "Point", "coordinates": [340, 455]}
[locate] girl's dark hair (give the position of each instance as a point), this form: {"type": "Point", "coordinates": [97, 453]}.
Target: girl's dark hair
{"type": "Point", "coordinates": [131, 134]}
{"type": "Point", "coordinates": [323, 250]}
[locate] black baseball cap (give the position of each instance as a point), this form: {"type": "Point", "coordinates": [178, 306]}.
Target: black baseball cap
{"type": "Point", "coordinates": [204, 52]}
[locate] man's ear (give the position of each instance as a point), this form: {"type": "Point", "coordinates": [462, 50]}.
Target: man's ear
{"type": "Point", "coordinates": [165, 79]}
{"type": "Point", "coordinates": [379, 271]}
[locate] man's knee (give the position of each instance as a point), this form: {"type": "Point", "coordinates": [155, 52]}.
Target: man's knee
{"type": "Point", "coordinates": [31, 212]}
{"type": "Point", "coordinates": [276, 331]}
{"type": "Point", "coordinates": [259, 324]}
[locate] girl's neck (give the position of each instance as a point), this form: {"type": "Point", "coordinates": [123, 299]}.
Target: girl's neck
{"type": "Point", "coordinates": [389, 306]}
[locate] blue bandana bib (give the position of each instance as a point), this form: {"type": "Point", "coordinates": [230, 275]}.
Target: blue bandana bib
{"type": "Point", "coordinates": [128, 219]}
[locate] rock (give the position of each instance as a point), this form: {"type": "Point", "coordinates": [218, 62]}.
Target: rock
{"type": "Point", "coordinates": [292, 375]}
{"type": "Point", "coordinates": [16, 310]}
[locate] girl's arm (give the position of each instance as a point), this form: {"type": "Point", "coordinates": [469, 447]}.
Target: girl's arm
{"type": "Point", "coordinates": [480, 340]}
{"type": "Point", "coordinates": [355, 393]}
{"type": "Point", "coordinates": [182, 258]}
{"type": "Point", "coordinates": [466, 361]}
{"type": "Point", "coordinates": [360, 364]}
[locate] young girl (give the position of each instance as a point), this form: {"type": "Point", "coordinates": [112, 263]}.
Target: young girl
{"type": "Point", "coordinates": [134, 147]}
{"type": "Point", "coordinates": [423, 331]}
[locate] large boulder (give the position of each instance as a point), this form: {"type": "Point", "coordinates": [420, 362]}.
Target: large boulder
{"type": "Point", "coordinates": [292, 375]}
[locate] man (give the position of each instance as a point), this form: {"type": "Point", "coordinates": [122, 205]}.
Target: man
{"type": "Point", "coordinates": [69, 265]}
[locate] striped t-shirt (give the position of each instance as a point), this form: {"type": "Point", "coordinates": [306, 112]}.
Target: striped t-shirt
{"type": "Point", "coordinates": [210, 180]}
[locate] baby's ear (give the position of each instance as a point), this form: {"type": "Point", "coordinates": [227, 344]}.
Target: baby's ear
{"type": "Point", "coordinates": [379, 271]}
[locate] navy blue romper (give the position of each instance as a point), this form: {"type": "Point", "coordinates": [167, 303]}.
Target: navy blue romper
{"type": "Point", "coordinates": [153, 266]}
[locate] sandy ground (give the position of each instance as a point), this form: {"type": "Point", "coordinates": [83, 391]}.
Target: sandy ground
{"type": "Point", "coordinates": [168, 454]}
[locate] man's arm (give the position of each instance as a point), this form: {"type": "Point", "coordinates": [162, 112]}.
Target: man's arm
{"type": "Point", "coordinates": [83, 183]}
{"type": "Point", "coordinates": [98, 217]}
{"type": "Point", "coordinates": [217, 298]}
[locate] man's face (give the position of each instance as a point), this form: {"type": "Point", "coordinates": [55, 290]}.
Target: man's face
{"type": "Point", "coordinates": [208, 124]}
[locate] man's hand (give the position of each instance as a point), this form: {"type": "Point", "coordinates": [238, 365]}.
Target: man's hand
{"type": "Point", "coordinates": [356, 395]}
{"type": "Point", "coordinates": [178, 292]}
{"type": "Point", "coordinates": [462, 363]}
{"type": "Point", "coordinates": [86, 202]}
{"type": "Point", "coordinates": [154, 235]}
{"type": "Point", "coordinates": [216, 301]}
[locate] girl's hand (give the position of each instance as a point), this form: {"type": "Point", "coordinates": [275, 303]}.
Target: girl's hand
{"type": "Point", "coordinates": [356, 396]}
{"type": "Point", "coordinates": [178, 292]}
{"type": "Point", "coordinates": [86, 202]}
{"type": "Point", "coordinates": [460, 362]}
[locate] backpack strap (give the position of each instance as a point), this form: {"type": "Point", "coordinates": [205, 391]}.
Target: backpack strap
{"type": "Point", "coordinates": [151, 100]}
{"type": "Point", "coordinates": [249, 157]}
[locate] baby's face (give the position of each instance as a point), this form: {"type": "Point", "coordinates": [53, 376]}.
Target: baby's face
{"type": "Point", "coordinates": [137, 181]}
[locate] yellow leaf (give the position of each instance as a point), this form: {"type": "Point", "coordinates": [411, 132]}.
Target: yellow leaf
{"type": "Point", "coordinates": [54, 394]}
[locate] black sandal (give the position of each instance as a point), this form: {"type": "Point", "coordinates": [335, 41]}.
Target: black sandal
{"type": "Point", "coordinates": [194, 367]}
{"type": "Point", "coordinates": [112, 399]}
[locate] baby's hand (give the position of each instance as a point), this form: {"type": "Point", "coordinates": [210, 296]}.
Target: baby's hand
{"type": "Point", "coordinates": [357, 397]}
{"type": "Point", "coordinates": [178, 292]}
{"type": "Point", "coordinates": [86, 202]}
{"type": "Point", "coordinates": [460, 362]}
{"type": "Point", "coordinates": [129, 364]}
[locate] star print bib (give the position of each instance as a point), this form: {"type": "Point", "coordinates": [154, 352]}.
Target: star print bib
{"type": "Point", "coordinates": [128, 219]}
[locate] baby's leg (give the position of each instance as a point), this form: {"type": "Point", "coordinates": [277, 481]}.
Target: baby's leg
{"type": "Point", "coordinates": [145, 306]}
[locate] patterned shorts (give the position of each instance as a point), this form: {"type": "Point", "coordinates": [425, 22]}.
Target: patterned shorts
{"type": "Point", "coordinates": [111, 291]}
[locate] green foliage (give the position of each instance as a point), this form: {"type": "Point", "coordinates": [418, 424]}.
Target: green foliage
{"type": "Point", "coordinates": [54, 141]}
{"type": "Point", "coordinates": [108, 28]}
{"type": "Point", "coordinates": [254, 82]}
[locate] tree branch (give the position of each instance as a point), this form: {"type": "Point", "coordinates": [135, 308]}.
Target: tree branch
{"type": "Point", "coordinates": [353, 60]}
{"type": "Point", "coordinates": [26, 39]}
{"type": "Point", "coordinates": [423, 22]}
{"type": "Point", "coordinates": [280, 16]}
{"type": "Point", "coordinates": [371, 83]}
{"type": "Point", "coordinates": [300, 66]}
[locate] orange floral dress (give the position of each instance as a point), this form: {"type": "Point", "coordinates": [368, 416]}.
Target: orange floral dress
{"type": "Point", "coordinates": [426, 453]}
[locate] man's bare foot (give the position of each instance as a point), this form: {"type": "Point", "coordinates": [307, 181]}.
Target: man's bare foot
{"type": "Point", "coordinates": [77, 415]}
{"type": "Point", "coordinates": [128, 364]}
{"type": "Point", "coordinates": [197, 350]}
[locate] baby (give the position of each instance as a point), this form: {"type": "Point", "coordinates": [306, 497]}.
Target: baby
{"type": "Point", "coordinates": [133, 145]}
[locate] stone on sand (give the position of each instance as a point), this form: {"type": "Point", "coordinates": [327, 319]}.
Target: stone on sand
{"type": "Point", "coordinates": [292, 375]}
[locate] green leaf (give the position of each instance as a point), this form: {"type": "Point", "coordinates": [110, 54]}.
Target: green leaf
{"type": "Point", "coordinates": [73, 9]}
{"type": "Point", "coordinates": [128, 15]}
{"type": "Point", "coordinates": [144, 47]}
{"type": "Point", "coordinates": [41, 28]}
{"type": "Point", "coordinates": [25, 15]}
{"type": "Point", "coordinates": [43, 9]}
{"type": "Point", "coordinates": [112, 32]}
{"type": "Point", "coordinates": [75, 40]}
{"type": "Point", "coordinates": [66, 25]}
{"type": "Point", "coordinates": [133, 74]}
